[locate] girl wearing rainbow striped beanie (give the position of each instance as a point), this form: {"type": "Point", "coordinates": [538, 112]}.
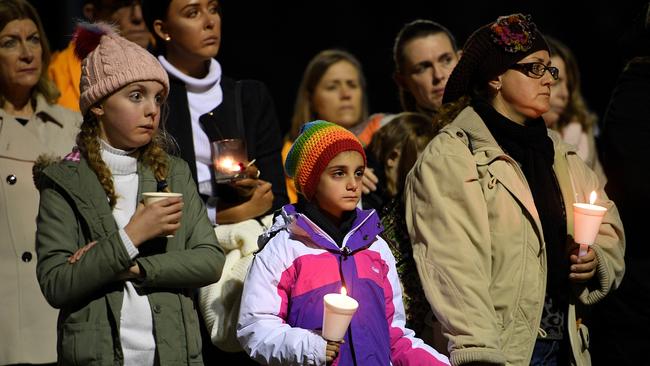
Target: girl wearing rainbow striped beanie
{"type": "Point", "coordinates": [315, 247]}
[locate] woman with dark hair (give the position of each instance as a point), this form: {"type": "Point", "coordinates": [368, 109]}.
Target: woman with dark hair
{"type": "Point", "coordinates": [204, 106]}
{"type": "Point", "coordinates": [489, 211]}
{"type": "Point", "coordinates": [424, 54]}
{"type": "Point", "coordinates": [30, 124]}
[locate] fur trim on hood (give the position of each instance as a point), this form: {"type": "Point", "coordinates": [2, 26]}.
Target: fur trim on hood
{"type": "Point", "coordinates": [42, 162]}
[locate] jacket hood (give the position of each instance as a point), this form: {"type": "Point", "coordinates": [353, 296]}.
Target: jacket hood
{"type": "Point", "coordinates": [42, 162]}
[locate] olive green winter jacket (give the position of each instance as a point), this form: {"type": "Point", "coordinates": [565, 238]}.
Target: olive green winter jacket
{"type": "Point", "coordinates": [74, 211]}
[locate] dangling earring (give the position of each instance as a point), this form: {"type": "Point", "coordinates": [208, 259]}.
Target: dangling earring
{"type": "Point", "coordinates": [498, 88]}
{"type": "Point", "coordinates": [168, 38]}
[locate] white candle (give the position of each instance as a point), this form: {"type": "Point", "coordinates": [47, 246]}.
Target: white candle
{"type": "Point", "coordinates": [587, 218]}
{"type": "Point", "coordinates": [338, 310]}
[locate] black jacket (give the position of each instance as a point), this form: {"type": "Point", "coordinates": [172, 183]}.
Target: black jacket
{"type": "Point", "coordinates": [619, 332]}
{"type": "Point", "coordinates": [260, 131]}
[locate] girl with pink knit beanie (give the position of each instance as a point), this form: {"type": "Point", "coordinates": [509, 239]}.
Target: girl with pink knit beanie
{"type": "Point", "coordinates": [122, 273]}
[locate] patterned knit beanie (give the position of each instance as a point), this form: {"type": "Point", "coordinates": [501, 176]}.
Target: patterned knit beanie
{"type": "Point", "coordinates": [111, 62]}
{"type": "Point", "coordinates": [318, 143]}
{"type": "Point", "coordinates": [490, 51]}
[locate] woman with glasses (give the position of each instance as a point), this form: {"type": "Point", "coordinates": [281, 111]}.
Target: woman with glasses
{"type": "Point", "coordinates": [489, 211]}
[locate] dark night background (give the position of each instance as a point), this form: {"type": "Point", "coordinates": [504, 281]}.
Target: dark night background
{"type": "Point", "coordinates": [272, 41]}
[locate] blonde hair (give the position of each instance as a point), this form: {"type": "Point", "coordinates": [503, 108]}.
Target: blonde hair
{"type": "Point", "coordinates": [303, 111]}
{"type": "Point", "coordinates": [153, 155]}
{"type": "Point", "coordinates": [576, 109]}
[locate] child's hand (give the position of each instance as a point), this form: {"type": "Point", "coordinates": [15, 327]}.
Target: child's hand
{"type": "Point", "coordinates": [155, 219]}
{"type": "Point", "coordinates": [369, 181]}
{"type": "Point", "coordinates": [583, 268]}
{"type": "Point", "coordinates": [74, 258]}
{"type": "Point", "coordinates": [332, 350]}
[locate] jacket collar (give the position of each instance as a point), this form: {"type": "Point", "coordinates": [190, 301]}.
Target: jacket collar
{"type": "Point", "coordinates": [482, 140]}
{"type": "Point", "coordinates": [364, 231]}
{"type": "Point", "coordinates": [486, 151]}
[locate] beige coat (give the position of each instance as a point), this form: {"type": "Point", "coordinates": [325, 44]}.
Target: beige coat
{"type": "Point", "coordinates": [27, 322]}
{"type": "Point", "coordinates": [479, 248]}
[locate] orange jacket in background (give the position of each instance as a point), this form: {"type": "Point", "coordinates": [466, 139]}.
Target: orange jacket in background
{"type": "Point", "coordinates": [65, 71]}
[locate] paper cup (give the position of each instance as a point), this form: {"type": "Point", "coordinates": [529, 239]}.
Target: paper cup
{"type": "Point", "coordinates": [338, 310]}
{"type": "Point", "coordinates": [586, 223]}
{"type": "Point", "coordinates": [151, 197]}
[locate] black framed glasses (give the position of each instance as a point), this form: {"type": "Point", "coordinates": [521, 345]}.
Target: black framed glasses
{"type": "Point", "coordinates": [536, 70]}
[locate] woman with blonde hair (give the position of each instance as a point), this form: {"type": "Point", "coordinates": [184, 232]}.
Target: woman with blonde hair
{"type": "Point", "coordinates": [568, 113]}
{"type": "Point", "coordinates": [333, 88]}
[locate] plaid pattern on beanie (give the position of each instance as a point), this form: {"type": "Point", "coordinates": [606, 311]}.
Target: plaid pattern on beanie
{"type": "Point", "coordinates": [114, 63]}
{"type": "Point", "coordinates": [490, 51]}
{"type": "Point", "coordinates": [318, 143]}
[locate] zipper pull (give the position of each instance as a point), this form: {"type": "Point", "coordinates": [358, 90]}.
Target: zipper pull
{"type": "Point", "coordinates": [346, 252]}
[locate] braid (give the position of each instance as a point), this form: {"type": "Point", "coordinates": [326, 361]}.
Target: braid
{"type": "Point", "coordinates": [88, 144]}
{"type": "Point", "coordinates": [155, 156]}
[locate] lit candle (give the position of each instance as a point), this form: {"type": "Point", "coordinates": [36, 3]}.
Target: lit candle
{"type": "Point", "coordinates": [228, 156]}
{"type": "Point", "coordinates": [228, 164]}
{"type": "Point", "coordinates": [587, 218]}
{"type": "Point", "coordinates": [338, 310]}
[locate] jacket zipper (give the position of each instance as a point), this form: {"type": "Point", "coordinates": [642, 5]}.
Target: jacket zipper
{"type": "Point", "coordinates": [344, 256]}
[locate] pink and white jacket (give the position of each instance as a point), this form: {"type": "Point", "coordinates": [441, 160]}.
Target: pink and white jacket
{"type": "Point", "coordinates": [281, 311]}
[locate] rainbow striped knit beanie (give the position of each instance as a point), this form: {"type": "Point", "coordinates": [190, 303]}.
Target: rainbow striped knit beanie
{"type": "Point", "coordinates": [318, 143]}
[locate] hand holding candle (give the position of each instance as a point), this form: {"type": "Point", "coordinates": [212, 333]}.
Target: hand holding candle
{"type": "Point", "coordinates": [587, 218]}
{"type": "Point", "coordinates": [338, 310]}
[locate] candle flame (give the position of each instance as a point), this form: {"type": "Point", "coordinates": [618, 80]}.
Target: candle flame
{"type": "Point", "coordinates": [592, 197]}
{"type": "Point", "coordinates": [344, 292]}
{"type": "Point", "coordinates": [229, 164]}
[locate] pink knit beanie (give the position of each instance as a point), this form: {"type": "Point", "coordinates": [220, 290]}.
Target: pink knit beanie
{"type": "Point", "coordinates": [111, 62]}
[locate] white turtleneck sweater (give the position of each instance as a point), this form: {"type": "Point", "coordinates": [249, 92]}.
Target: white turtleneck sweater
{"type": "Point", "coordinates": [203, 95]}
{"type": "Point", "coordinates": [136, 321]}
